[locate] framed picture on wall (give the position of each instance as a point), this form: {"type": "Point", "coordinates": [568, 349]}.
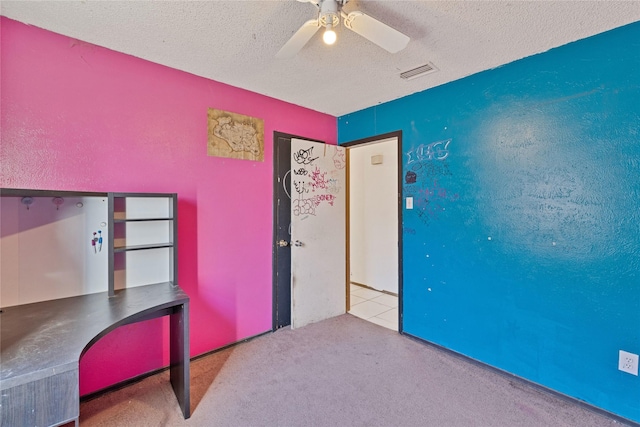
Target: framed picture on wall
{"type": "Point", "coordinates": [235, 136]}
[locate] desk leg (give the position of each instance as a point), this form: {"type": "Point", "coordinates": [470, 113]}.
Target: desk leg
{"type": "Point", "coordinates": [179, 356]}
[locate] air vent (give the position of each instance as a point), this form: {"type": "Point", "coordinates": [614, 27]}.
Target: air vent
{"type": "Point", "coordinates": [418, 71]}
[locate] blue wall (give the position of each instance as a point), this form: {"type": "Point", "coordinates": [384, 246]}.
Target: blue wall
{"type": "Point", "coordinates": [523, 247]}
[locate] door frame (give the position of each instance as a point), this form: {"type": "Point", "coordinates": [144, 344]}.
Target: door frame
{"type": "Point", "coordinates": [274, 260]}
{"type": "Point", "coordinates": [353, 144]}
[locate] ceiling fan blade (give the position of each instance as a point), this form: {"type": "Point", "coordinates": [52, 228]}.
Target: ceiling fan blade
{"type": "Point", "coordinates": [299, 39]}
{"type": "Point", "coordinates": [373, 30]}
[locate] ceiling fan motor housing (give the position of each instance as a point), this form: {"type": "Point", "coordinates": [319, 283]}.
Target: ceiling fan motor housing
{"type": "Point", "coordinates": [329, 13]}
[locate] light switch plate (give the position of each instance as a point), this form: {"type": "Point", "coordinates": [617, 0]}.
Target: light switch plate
{"type": "Point", "coordinates": [409, 202]}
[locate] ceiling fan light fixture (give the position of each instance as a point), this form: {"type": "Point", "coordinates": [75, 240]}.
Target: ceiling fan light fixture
{"type": "Point", "coordinates": [330, 13]}
{"type": "Point", "coordinates": [329, 36]}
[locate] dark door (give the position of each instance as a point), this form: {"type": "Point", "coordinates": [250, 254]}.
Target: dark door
{"type": "Point", "coordinates": [282, 231]}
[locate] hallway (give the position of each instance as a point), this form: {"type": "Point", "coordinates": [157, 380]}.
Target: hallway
{"type": "Point", "coordinates": [374, 306]}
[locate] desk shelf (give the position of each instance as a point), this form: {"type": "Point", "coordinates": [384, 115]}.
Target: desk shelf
{"type": "Point", "coordinates": [142, 222]}
{"type": "Point", "coordinates": [118, 249]}
{"type": "Point", "coordinates": [119, 220]}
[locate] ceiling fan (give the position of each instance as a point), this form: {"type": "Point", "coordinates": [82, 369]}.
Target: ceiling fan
{"type": "Point", "coordinates": [329, 13]}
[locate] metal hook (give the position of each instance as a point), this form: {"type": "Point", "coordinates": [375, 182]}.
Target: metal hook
{"type": "Point", "coordinates": [27, 201]}
{"type": "Point", "coordinates": [58, 201]}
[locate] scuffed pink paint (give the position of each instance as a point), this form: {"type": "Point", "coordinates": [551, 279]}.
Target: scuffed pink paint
{"type": "Point", "coordinates": [80, 117]}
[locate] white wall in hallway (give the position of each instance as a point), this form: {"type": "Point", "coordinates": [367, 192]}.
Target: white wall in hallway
{"type": "Point", "coordinates": [374, 215]}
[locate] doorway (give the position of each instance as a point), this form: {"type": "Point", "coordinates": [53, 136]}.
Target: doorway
{"type": "Point", "coordinates": [282, 240]}
{"type": "Point", "coordinates": [374, 223]}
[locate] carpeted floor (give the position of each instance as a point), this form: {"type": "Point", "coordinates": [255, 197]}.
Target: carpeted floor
{"type": "Point", "coordinates": [339, 372]}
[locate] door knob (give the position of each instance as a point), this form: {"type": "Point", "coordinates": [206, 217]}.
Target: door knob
{"type": "Point", "coordinates": [283, 243]}
{"type": "Point", "coordinates": [297, 243]}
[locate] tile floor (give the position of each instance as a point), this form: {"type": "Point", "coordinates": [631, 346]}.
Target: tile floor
{"type": "Point", "coordinates": [374, 306]}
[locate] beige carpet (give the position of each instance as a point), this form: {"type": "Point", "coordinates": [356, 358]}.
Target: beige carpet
{"type": "Point", "coordinates": [339, 372]}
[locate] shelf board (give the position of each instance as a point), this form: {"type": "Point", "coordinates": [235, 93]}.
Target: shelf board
{"type": "Point", "coordinates": [141, 195]}
{"type": "Point", "coordinates": [142, 247]}
{"type": "Point", "coordinates": [23, 192]}
{"type": "Point", "coordinates": [117, 220]}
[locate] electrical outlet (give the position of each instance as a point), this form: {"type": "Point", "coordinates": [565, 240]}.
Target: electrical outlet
{"type": "Point", "coordinates": [628, 362]}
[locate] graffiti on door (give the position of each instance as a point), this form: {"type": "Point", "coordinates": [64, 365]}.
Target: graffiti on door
{"type": "Point", "coordinates": [315, 183]}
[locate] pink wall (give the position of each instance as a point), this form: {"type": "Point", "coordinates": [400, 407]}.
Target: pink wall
{"type": "Point", "coordinates": [80, 117]}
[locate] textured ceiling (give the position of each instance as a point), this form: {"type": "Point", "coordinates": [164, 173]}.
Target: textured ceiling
{"type": "Point", "coordinates": [235, 42]}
